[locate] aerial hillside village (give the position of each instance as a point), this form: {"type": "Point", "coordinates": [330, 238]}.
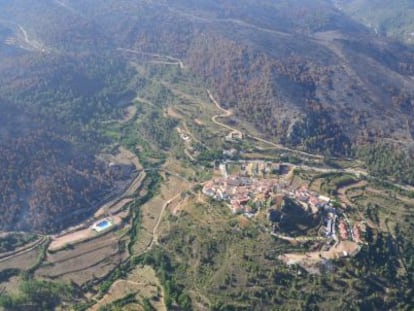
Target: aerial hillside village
{"type": "Point", "coordinates": [263, 186]}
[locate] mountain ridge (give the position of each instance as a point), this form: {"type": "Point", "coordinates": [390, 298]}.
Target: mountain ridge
{"type": "Point", "coordinates": [317, 82]}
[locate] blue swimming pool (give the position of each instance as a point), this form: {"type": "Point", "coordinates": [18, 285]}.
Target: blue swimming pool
{"type": "Point", "coordinates": [103, 224]}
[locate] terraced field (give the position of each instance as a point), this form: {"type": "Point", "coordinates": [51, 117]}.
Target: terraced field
{"type": "Point", "coordinates": [85, 261]}
{"type": "Point", "coordinates": [21, 260]}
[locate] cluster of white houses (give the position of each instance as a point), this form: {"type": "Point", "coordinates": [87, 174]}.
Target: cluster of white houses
{"type": "Point", "coordinates": [241, 191]}
{"type": "Point", "coordinates": [248, 194]}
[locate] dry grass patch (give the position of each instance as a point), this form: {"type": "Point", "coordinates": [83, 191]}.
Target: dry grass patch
{"type": "Point", "coordinates": [21, 261]}
{"type": "Point", "coordinates": [342, 249]}
{"type": "Point", "coordinates": [177, 167]}
{"type": "Point", "coordinates": [143, 282]}
{"type": "Point", "coordinates": [316, 185]}
{"type": "Point", "coordinates": [123, 157]}
{"type": "Point", "coordinates": [12, 285]}
{"type": "Point", "coordinates": [171, 112]}
{"type": "Point", "coordinates": [198, 122]}
{"type": "Point", "coordinates": [151, 212]}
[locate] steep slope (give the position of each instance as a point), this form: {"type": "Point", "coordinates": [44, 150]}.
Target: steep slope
{"type": "Point", "coordinates": [301, 71]}
{"type": "Point", "coordinates": [50, 177]}
{"type": "Point", "coordinates": [308, 78]}
{"type": "Point", "coordinates": [391, 18]}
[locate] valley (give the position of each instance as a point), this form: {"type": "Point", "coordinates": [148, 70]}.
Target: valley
{"type": "Point", "coordinates": [203, 156]}
{"type": "Point", "coordinates": [145, 219]}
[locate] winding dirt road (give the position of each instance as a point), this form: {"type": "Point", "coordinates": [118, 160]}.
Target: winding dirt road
{"type": "Point", "coordinates": [154, 231]}
{"type": "Point", "coordinates": [29, 42]}
{"type": "Point", "coordinates": [163, 59]}
{"type": "Point", "coordinates": [228, 113]}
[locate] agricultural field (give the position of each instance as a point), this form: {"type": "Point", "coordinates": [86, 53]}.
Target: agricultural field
{"type": "Point", "coordinates": [22, 260]}
{"type": "Point", "coordinates": [85, 261]}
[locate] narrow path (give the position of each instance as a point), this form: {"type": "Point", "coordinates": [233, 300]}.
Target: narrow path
{"type": "Point", "coordinates": [187, 153]}
{"type": "Point", "coordinates": [278, 146]}
{"type": "Point", "coordinates": [343, 190]}
{"type": "Point", "coordinates": [145, 101]}
{"type": "Point", "coordinates": [67, 7]}
{"type": "Point", "coordinates": [191, 134]}
{"type": "Point", "coordinates": [154, 235]}
{"type": "Point", "coordinates": [170, 60]}
{"type": "Point", "coordinates": [227, 113]}
{"type": "Point", "coordinates": [190, 98]}
{"type": "Point", "coordinates": [409, 135]}
{"type": "Point", "coordinates": [356, 172]}
{"type": "Point", "coordinates": [235, 21]}
{"type": "Point", "coordinates": [166, 63]}
{"type": "Point", "coordinates": [135, 184]}
{"type": "Point", "coordinates": [31, 43]}
{"type": "Point", "coordinates": [155, 229]}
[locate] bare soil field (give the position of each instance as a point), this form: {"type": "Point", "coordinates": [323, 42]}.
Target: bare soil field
{"type": "Point", "coordinates": [84, 247]}
{"type": "Point", "coordinates": [80, 235]}
{"type": "Point", "coordinates": [130, 113]}
{"type": "Point", "coordinates": [198, 122]}
{"type": "Point", "coordinates": [97, 269]}
{"type": "Point", "coordinates": [114, 209]}
{"type": "Point", "coordinates": [84, 261]}
{"type": "Point", "coordinates": [342, 249]}
{"type": "Point", "coordinates": [171, 112]}
{"type": "Point", "coordinates": [124, 156]}
{"type": "Point", "coordinates": [143, 282]}
{"type": "Point", "coordinates": [21, 261]}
